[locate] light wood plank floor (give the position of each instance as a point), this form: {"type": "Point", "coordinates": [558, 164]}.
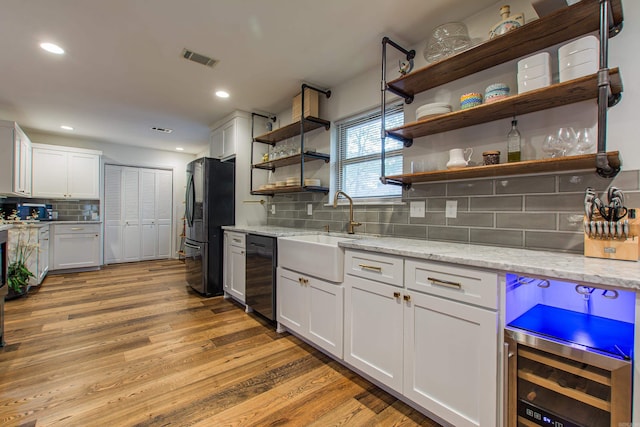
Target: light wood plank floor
{"type": "Point", "coordinates": [132, 345]}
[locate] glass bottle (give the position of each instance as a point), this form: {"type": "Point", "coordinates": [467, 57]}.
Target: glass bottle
{"type": "Point", "coordinates": [513, 143]}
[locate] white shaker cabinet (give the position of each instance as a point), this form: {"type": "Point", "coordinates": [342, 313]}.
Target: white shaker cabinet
{"type": "Point", "coordinates": [65, 172]}
{"type": "Point", "coordinates": [43, 252]}
{"type": "Point", "coordinates": [235, 262]}
{"type": "Point", "coordinates": [311, 308]}
{"type": "Point", "coordinates": [76, 246]}
{"type": "Point", "coordinates": [37, 237]}
{"type": "Point", "coordinates": [15, 163]}
{"type": "Point", "coordinates": [373, 318]}
{"type": "Point", "coordinates": [226, 138]}
{"type": "Point", "coordinates": [428, 332]}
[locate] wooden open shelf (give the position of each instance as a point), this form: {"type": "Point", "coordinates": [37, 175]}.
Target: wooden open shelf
{"type": "Point", "coordinates": [289, 131]}
{"type": "Point", "coordinates": [562, 25]}
{"type": "Point", "coordinates": [291, 160]}
{"type": "Point", "coordinates": [290, 189]}
{"type": "Point", "coordinates": [581, 89]}
{"type": "Point", "coordinates": [580, 162]}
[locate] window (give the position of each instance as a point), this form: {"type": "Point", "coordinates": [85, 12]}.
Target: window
{"type": "Point", "coordinates": [359, 147]}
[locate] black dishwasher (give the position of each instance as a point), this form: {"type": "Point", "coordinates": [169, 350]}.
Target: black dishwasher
{"type": "Point", "coordinates": [261, 263]}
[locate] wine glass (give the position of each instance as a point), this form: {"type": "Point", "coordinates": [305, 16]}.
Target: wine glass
{"type": "Point", "coordinates": [551, 147]}
{"type": "Point", "coordinates": [566, 140]}
{"type": "Point", "coordinates": [585, 141]}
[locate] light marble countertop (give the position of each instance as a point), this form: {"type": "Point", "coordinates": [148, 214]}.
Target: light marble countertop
{"type": "Point", "coordinates": [547, 264]}
{"type": "Point", "coordinates": [269, 231]}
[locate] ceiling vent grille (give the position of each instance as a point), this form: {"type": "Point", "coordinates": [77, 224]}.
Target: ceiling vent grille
{"type": "Point", "coordinates": [199, 58]}
{"type": "Point", "coordinates": [163, 130]}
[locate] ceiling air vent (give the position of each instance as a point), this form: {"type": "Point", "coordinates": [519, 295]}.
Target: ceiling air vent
{"type": "Point", "coordinates": [163, 130]}
{"type": "Point", "coordinates": [199, 58]}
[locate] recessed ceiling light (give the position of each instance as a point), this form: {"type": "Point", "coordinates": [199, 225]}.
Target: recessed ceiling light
{"type": "Point", "coordinates": [222, 94]}
{"type": "Point", "coordinates": [179, 149]}
{"type": "Point", "coordinates": [53, 48]}
{"type": "Point", "coordinates": [65, 127]}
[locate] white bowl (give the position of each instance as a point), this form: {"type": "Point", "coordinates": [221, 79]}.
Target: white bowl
{"type": "Point", "coordinates": [281, 183]}
{"type": "Point", "coordinates": [578, 58]}
{"type": "Point", "coordinates": [534, 61]}
{"type": "Point", "coordinates": [588, 42]}
{"type": "Point", "coordinates": [581, 70]}
{"type": "Point", "coordinates": [534, 72]}
{"type": "Point", "coordinates": [532, 84]}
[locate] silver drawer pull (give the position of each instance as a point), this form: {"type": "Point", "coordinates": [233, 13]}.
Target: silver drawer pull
{"type": "Point", "coordinates": [370, 267]}
{"type": "Point", "coordinates": [76, 228]}
{"type": "Point", "coordinates": [446, 283]}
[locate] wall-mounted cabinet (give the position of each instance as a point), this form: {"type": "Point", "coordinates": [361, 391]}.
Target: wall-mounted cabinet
{"type": "Point", "coordinates": [65, 172]}
{"type": "Point", "coordinates": [15, 170]}
{"type": "Point", "coordinates": [564, 24]}
{"type": "Point", "coordinates": [226, 138]}
{"type": "Point", "coordinates": [301, 155]}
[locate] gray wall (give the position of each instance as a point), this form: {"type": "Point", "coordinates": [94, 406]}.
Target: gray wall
{"type": "Point", "coordinates": [536, 212]}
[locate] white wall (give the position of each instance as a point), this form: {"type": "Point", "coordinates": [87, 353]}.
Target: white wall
{"type": "Point", "coordinates": [363, 93]}
{"type": "Point", "coordinates": [132, 156]}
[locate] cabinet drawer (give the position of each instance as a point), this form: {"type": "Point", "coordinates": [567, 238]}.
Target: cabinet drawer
{"type": "Point", "coordinates": [236, 239]}
{"type": "Point", "coordinates": [76, 228]}
{"type": "Point", "coordinates": [382, 268]}
{"type": "Point", "coordinates": [459, 283]}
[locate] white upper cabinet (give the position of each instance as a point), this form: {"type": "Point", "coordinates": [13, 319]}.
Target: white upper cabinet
{"type": "Point", "coordinates": [15, 164]}
{"type": "Point", "coordinates": [65, 172]}
{"type": "Point", "coordinates": [226, 139]}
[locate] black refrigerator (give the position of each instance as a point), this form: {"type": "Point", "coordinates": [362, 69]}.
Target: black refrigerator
{"type": "Point", "coordinates": [210, 204]}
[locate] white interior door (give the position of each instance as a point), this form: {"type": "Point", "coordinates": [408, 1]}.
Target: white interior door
{"type": "Point", "coordinates": [148, 214]}
{"type": "Point", "coordinates": [113, 224]}
{"type": "Point", "coordinates": [164, 212]}
{"type": "Point", "coordinates": [131, 234]}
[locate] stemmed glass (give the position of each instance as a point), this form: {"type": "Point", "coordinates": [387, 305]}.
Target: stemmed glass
{"type": "Point", "coordinates": [566, 140]}
{"type": "Point", "coordinates": [551, 147]}
{"type": "Point", "coordinates": [585, 141]}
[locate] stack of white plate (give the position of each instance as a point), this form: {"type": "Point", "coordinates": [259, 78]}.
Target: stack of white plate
{"type": "Point", "coordinates": [293, 181]}
{"type": "Point", "coordinates": [578, 58]}
{"type": "Point", "coordinates": [432, 109]}
{"type": "Point", "coordinates": [312, 182]}
{"type": "Point", "coordinates": [281, 183]}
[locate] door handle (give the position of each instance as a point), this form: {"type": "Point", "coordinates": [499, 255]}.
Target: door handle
{"type": "Point", "coordinates": [189, 245]}
{"type": "Point", "coordinates": [407, 298]}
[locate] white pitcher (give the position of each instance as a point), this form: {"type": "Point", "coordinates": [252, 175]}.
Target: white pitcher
{"type": "Point", "coordinates": [459, 158]}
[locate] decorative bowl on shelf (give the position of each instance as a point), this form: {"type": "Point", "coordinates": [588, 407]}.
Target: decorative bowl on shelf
{"type": "Point", "coordinates": [447, 40]}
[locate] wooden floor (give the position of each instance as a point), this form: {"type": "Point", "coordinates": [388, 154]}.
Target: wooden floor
{"type": "Point", "coordinates": [132, 345]}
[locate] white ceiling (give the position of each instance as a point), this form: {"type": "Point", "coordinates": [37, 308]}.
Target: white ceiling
{"type": "Point", "coordinates": [123, 73]}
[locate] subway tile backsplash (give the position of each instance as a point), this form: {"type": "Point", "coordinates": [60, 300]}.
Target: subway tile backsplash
{"type": "Point", "coordinates": [541, 212]}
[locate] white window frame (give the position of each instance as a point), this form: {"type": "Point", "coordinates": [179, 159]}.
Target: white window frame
{"type": "Point", "coordinates": [369, 115]}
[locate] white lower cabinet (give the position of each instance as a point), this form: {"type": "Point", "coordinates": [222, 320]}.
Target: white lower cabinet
{"type": "Point", "coordinates": [450, 359]}
{"type": "Point", "coordinates": [235, 262]}
{"type": "Point", "coordinates": [311, 308]}
{"type": "Point", "coordinates": [373, 329]}
{"type": "Point", "coordinates": [76, 246]}
{"type": "Point", "coordinates": [420, 340]}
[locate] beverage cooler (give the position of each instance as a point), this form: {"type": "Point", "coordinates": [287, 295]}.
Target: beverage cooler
{"type": "Point", "coordinates": [569, 354]}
